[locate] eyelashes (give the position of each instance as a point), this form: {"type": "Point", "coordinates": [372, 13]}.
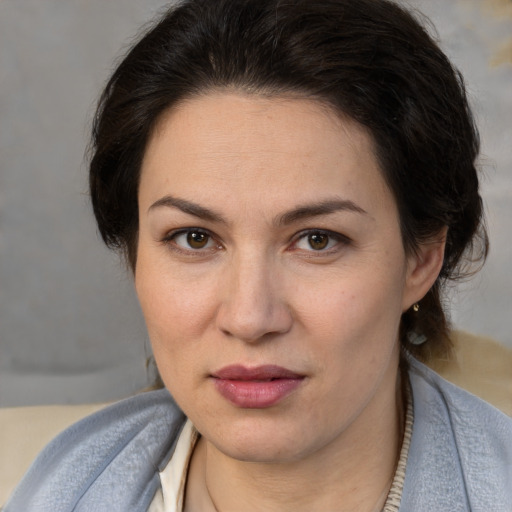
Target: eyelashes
{"type": "Point", "coordinates": [191, 240]}
{"type": "Point", "coordinates": [194, 239]}
{"type": "Point", "coordinates": [319, 241]}
{"type": "Point", "coordinates": [200, 242]}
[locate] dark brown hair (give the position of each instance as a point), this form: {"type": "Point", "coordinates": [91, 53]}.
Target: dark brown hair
{"type": "Point", "coordinates": [369, 60]}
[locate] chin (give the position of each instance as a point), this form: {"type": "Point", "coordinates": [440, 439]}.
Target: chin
{"type": "Point", "coordinates": [263, 442]}
{"type": "Point", "coordinates": [262, 453]}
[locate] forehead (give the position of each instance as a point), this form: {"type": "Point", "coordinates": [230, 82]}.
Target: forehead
{"type": "Point", "coordinates": [247, 144]}
{"type": "Point", "coordinates": [279, 121]}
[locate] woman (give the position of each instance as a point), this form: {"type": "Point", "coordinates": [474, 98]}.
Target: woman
{"type": "Point", "coordinates": [292, 184]}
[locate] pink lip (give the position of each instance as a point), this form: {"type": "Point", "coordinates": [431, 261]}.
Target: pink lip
{"type": "Point", "coordinates": [255, 388]}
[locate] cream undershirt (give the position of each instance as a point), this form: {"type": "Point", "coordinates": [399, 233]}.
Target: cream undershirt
{"type": "Point", "coordinates": [169, 498]}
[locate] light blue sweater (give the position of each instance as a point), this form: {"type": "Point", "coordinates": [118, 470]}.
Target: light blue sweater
{"type": "Point", "coordinates": [460, 457]}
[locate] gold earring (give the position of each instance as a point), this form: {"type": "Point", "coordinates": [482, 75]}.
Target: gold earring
{"type": "Point", "coordinates": [416, 307]}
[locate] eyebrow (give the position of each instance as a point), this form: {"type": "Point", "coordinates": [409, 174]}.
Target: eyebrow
{"type": "Point", "coordinates": [301, 212]}
{"type": "Point", "coordinates": [190, 208]}
{"type": "Point", "coordinates": [318, 209]}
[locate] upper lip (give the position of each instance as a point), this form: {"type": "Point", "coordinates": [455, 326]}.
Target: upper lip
{"type": "Point", "coordinates": [264, 372]}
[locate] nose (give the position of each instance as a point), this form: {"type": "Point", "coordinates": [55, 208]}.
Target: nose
{"type": "Point", "coordinates": [253, 306]}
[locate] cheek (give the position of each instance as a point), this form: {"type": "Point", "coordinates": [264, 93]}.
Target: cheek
{"type": "Point", "coordinates": [352, 326]}
{"type": "Point", "coordinates": [171, 321]}
{"type": "Point", "coordinates": [175, 311]}
{"type": "Point", "coordinates": [353, 330]}
{"type": "Point", "coordinates": [351, 300]}
{"type": "Point", "coordinates": [168, 296]}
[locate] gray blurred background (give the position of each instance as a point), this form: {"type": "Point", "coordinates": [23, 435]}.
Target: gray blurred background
{"type": "Point", "coordinates": [70, 327]}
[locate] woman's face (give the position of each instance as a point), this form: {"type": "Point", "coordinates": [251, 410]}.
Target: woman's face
{"type": "Point", "coordinates": [271, 273]}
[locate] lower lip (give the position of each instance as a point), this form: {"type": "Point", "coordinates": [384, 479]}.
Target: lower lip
{"type": "Point", "coordinates": [253, 394]}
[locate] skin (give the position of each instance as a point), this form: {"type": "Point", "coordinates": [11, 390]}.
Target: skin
{"type": "Point", "coordinates": [254, 291]}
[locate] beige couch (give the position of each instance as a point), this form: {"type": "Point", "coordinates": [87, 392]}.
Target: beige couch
{"type": "Point", "coordinates": [480, 365]}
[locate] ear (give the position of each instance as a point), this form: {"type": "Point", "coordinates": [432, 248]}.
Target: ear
{"type": "Point", "coordinates": [423, 267]}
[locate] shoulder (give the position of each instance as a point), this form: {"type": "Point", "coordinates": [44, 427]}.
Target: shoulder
{"type": "Point", "coordinates": [111, 456]}
{"type": "Point", "coordinates": [461, 449]}
{"type": "Point", "coordinates": [468, 415]}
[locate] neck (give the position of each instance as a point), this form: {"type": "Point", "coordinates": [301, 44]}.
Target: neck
{"type": "Point", "coordinates": [353, 473]}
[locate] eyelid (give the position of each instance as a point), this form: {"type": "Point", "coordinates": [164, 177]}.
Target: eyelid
{"type": "Point", "coordinates": [340, 238]}
{"type": "Point", "coordinates": [170, 236]}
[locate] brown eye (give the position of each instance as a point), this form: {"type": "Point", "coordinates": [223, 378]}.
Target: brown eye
{"type": "Point", "coordinates": [192, 240]}
{"type": "Point", "coordinates": [318, 241]}
{"type": "Point", "coordinates": [321, 241]}
{"type": "Point", "coordinates": [197, 239]}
